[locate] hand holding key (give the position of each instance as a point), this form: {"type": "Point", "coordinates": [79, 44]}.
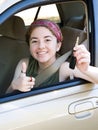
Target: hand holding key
{"type": "Point", "coordinates": [82, 57]}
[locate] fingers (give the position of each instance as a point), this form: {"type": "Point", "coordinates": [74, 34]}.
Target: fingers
{"type": "Point", "coordinates": [30, 81]}
{"type": "Point", "coordinates": [27, 84]}
{"type": "Point", "coordinates": [82, 54]}
{"type": "Point", "coordinates": [23, 69]}
{"type": "Point", "coordinates": [23, 83]}
{"type": "Point", "coordinates": [30, 84]}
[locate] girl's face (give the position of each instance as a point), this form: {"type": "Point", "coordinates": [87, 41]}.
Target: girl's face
{"type": "Point", "coordinates": [43, 45]}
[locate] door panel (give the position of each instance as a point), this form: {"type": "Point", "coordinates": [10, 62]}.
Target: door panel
{"type": "Point", "coordinates": [62, 109]}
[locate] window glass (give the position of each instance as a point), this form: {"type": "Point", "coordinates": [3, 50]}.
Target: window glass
{"type": "Point", "coordinates": [51, 13]}
{"type": "Point", "coordinates": [73, 20]}
{"type": "Point", "coordinates": [29, 14]}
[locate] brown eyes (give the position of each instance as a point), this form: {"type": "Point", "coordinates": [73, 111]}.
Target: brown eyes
{"type": "Point", "coordinates": [37, 42]}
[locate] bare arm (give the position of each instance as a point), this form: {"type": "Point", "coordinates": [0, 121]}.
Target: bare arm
{"type": "Point", "coordinates": [83, 69]}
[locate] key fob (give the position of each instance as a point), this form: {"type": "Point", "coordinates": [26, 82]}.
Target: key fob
{"type": "Point", "coordinates": [72, 62]}
{"type": "Point", "coordinates": [73, 58]}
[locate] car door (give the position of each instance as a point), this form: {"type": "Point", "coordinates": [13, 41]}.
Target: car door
{"type": "Point", "coordinates": [67, 108]}
{"type": "Point", "coordinates": [71, 104]}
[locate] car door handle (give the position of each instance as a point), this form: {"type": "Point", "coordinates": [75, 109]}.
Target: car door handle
{"type": "Point", "coordinates": [82, 108]}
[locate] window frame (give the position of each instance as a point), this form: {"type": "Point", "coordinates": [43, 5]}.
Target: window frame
{"type": "Point", "coordinates": [62, 85]}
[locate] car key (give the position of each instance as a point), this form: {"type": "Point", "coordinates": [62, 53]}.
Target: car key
{"type": "Point", "coordinates": [73, 58]}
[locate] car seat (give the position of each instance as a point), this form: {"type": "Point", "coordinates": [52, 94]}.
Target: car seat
{"type": "Point", "coordinates": [69, 38]}
{"type": "Point", "coordinates": [12, 48]}
{"type": "Point", "coordinates": [76, 22]}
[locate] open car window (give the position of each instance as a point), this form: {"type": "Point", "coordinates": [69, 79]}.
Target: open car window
{"type": "Point", "coordinates": [73, 23]}
{"type": "Point", "coordinates": [51, 14]}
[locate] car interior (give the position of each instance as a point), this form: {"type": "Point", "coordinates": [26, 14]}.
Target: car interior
{"type": "Point", "coordinates": [13, 46]}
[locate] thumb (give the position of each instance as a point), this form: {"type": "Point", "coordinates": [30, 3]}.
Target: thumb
{"type": "Point", "coordinates": [23, 69]}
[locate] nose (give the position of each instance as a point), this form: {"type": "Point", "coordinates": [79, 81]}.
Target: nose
{"type": "Point", "coordinates": [41, 45]}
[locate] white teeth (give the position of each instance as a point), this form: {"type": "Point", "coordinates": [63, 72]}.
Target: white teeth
{"type": "Point", "coordinates": [40, 53]}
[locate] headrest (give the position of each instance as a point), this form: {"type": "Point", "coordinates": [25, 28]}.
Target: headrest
{"type": "Point", "coordinates": [76, 22]}
{"type": "Point", "coordinates": [13, 27]}
{"type": "Point", "coordinates": [69, 38]}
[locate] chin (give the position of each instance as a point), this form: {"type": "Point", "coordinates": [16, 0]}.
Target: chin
{"type": "Point", "coordinates": [42, 61]}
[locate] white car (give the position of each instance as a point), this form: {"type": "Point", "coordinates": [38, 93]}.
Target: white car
{"type": "Point", "coordinates": [68, 105]}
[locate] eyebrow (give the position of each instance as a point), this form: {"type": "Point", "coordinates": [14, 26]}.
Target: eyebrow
{"type": "Point", "coordinates": [48, 36]}
{"type": "Point", "coordinates": [37, 38]}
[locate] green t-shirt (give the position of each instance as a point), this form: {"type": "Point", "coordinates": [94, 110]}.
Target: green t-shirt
{"type": "Point", "coordinates": [32, 70]}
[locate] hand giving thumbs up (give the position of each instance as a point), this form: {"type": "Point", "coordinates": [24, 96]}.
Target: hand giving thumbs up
{"type": "Point", "coordinates": [23, 83]}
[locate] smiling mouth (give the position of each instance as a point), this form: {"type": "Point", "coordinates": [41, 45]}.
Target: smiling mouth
{"type": "Point", "coordinates": [42, 53]}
